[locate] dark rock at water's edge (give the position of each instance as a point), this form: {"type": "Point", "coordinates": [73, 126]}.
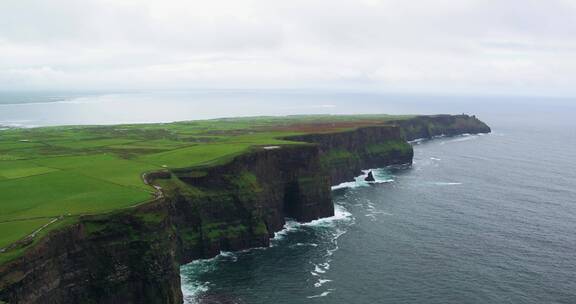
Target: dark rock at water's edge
{"type": "Point", "coordinates": [430, 126]}
{"type": "Point", "coordinates": [345, 154]}
{"type": "Point", "coordinates": [134, 255]}
{"type": "Point", "coordinates": [370, 177]}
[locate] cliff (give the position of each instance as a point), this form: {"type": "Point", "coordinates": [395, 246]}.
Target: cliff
{"type": "Point", "coordinates": [126, 257]}
{"type": "Point", "coordinates": [345, 154]}
{"type": "Point", "coordinates": [430, 126]}
{"type": "Point", "coordinates": [134, 255]}
{"type": "Point", "coordinates": [242, 204]}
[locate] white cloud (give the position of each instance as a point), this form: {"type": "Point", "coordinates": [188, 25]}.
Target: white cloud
{"type": "Point", "coordinates": [514, 46]}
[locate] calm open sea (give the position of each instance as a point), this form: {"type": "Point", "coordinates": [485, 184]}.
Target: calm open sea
{"type": "Point", "coordinates": [476, 219]}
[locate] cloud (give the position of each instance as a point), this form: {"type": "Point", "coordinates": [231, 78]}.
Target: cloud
{"type": "Point", "coordinates": [513, 46]}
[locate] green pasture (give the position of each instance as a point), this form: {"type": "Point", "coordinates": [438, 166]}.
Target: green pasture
{"type": "Point", "coordinates": [75, 170]}
{"type": "Point", "coordinates": [21, 168]}
{"type": "Point", "coordinates": [11, 231]}
{"type": "Point", "coordinates": [63, 193]}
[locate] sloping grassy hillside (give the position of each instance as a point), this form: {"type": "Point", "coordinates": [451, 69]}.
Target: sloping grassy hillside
{"type": "Point", "coordinates": [63, 172]}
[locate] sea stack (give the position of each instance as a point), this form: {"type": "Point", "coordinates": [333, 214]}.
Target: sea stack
{"type": "Point", "coordinates": [370, 177]}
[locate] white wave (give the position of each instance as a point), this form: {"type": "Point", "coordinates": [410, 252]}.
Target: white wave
{"type": "Point", "coordinates": [446, 184]}
{"type": "Point", "coordinates": [208, 263]}
{"type": "Point", "coordinates": [228, 255]}
{"type": "Point", "coordinates": [305, 244]}
{"type": "Point", "coordinates": [290, 226]}
{"type": "Point", "coordinates": [321, 268]}
{"type": "Point", "coordinates": [435, 158]}
{"type": "Point", "coordinates": [347, 185]}
{"type": "Point", "coordinates": [371, 216]}
{"type": "Point", "coordinates": [340, 215]}
{"type": "Point", "coordinates": [202, 263]}
{"type": "Point", "coordinates": [381, 176]}
{"type": "Point", "coordinates": [416, 141]}
{"type": "Point", "coordinates": [321, 282]}
{"type": "Point", "coordinates": [330, 252]}
{"type": "Point", "coordinates": [250, 249]}
{"type": "Point", "coordinates": [465, 138]}
{"type": "Point", "coordinates": [383, 181]}
{"type": "Point", "coordinates": [381, 212]}
{"type": "Point", "coordinates": [191, 290]}
{"type": "Point", "coordinates": [460, 138]}
{"type": "Point", "coordinates": [319, 295]}
{"type": "Point", "coordinates": [318, 269]}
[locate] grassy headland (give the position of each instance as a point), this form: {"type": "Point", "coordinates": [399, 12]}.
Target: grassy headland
{"type": "Point", "coordinates": [52, 175]}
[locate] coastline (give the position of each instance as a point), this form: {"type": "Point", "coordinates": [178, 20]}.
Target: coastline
{"type": "Point", "coordinates": [307, 203]}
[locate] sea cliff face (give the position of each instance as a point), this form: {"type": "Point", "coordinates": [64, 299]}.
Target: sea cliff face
{"type": "Point", "coordinates": [345, 154]}
{"type": "Point", "coordinates": [430, 126]}
{"type": "Point", "coordinates": [134, 255]}
{"type": "Point", "coordinates": [241, 204]}
{"type": "Point", "coordinates": [127, 257]}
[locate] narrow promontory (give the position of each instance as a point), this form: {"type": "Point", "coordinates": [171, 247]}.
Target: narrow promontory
{"type": "Point", "coordinates": [134, 254]}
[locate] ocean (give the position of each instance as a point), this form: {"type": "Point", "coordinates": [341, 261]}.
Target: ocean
{"type": "Point", "coordinates": [475, 219]}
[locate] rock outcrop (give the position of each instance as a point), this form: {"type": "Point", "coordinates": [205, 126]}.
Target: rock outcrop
{"type": "Point", "coordinates": [370, 177]}
{"type": "Point", "coordinates": [345, 154]}
{"type": "Point", "coordinates": [134, 255]}
{"type": "Point", "coordinates": [430, 126]}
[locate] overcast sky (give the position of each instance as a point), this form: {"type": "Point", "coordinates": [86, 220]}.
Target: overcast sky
{"type": "Point", "coordinates": [473, 46]}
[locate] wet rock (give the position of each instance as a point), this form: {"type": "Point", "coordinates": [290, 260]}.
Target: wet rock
{"type": "Point", "coordinates": [370, 177]}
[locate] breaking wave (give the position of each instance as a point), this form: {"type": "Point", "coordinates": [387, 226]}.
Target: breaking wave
{"type": "Point", "coordinates": [327, 232]}
{"type": "Point", "coordinates": [340, 214]}
{"type": "Point", "coordinates": [194, 287]}
{"type": "Point", "coordinates": [380, 175]}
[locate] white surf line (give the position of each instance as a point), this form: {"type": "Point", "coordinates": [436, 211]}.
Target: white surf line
{"type": "Point", "coordinates": [418, 141]}
{"type": "Point", "coordinates": [319, 295]}
{"type": "Point", "coordinates": [360, 182]}
{"type": "Point", "coordinates": [447, 183]}
{"type": "Point", "coordinates": [321, 282]}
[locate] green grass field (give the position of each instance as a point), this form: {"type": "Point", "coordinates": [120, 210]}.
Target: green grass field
{"type": "Point", "coordinates": [46, 173]}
